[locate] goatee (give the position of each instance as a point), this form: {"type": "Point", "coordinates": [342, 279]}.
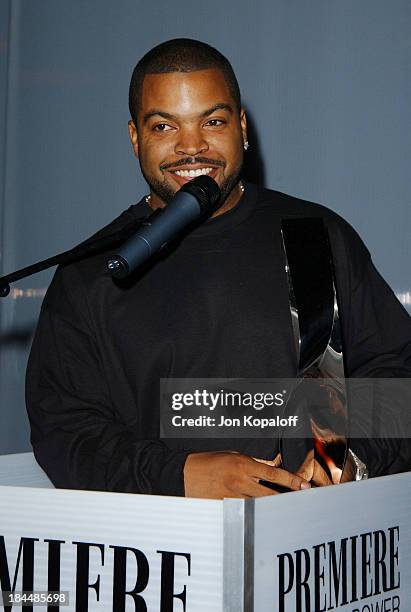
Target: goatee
{"type": "Point", "coordinates": [166, 193]}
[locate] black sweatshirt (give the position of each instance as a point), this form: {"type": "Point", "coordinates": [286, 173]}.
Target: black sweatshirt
{"type": "Point", "coordinates": [216, 306]}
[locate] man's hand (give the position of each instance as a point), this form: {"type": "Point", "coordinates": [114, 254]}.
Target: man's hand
{"type": "Point", "coordinates": [217, 475]}
{"type": "Point", "coordinates": [312, 471]}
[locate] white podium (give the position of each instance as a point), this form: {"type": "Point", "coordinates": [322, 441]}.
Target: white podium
{"type": "Point", "coordinates": [342, 548]}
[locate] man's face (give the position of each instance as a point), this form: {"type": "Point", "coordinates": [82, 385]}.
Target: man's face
{"type": "Point", "coordinates": [188, 124]}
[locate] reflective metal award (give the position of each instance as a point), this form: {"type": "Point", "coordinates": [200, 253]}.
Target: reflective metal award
{"type": "Point", "coordinates": [319, 397]}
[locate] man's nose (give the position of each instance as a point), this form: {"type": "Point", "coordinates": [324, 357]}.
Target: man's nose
{"type": "Point", "coordinates": [191, 141]}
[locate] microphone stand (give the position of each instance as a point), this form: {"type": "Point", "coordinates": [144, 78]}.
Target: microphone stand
{"type": "Point", "coordinates": [85, 249]}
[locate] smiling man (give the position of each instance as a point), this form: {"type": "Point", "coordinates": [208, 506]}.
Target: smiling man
{"type": "Point", "coordinates": [198, 130]}
{"type": "Point", "coordinates": [186, 123]}
{"type": "Point", "coordinates": [216, 306]}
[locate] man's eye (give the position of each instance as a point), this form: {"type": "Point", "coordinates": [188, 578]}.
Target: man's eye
{"type": "Point", "coordinates": [162, 127]}
{"type": "Point", "coordinates": [215, 122]}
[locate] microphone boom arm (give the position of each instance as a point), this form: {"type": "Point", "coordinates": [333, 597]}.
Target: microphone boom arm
{"type": "Point", "coordinates": [82, 250]}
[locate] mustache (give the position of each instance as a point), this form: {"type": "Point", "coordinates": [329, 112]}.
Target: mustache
{"type": "Point", "coordinates": [187, 161]}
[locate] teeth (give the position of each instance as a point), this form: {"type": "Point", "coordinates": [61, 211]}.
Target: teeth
{"type": "Point", "coordinates": [193, 173]}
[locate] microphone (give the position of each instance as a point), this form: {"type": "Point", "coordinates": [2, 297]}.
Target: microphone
{"type": "Point", "coordinates": [199, 197]}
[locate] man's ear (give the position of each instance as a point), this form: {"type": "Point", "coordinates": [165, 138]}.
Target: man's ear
{"type": "Point", "coordinates": [243, 123]}
{"type": "Point", "coordinates": [132, 130]}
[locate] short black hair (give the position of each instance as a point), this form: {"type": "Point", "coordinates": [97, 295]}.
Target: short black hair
{"type": "Point", "coordinates": [180, 55]}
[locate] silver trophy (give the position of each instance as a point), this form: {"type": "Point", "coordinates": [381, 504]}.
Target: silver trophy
{"type": "Point", "coordinates": [319, 396]}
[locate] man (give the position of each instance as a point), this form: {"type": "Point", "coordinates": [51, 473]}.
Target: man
{"type": "Point", "coordinates": [216, 306]}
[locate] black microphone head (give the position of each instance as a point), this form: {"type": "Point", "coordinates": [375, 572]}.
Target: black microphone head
{"type": "Point", "coordinates": [205, 190]}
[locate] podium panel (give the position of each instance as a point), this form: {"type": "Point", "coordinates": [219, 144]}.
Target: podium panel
{"type": "Point", "coordinates": [111, 551]}
{"type": "Point", "coordinates": [345, 548]}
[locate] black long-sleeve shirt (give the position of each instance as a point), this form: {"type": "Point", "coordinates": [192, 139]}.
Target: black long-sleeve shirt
{"type": "Point", "coordinates": [216, 306]}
